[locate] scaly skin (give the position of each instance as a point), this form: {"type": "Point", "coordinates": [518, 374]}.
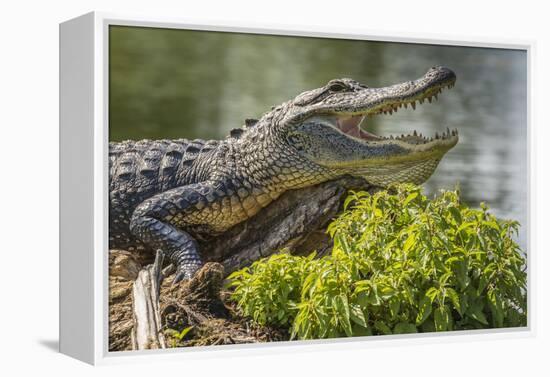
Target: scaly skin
{"type": "Point", "coordinates": [166, 193]}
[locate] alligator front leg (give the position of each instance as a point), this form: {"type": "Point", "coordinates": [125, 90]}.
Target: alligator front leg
{"type": "Point", "coordinates": [158, 222]}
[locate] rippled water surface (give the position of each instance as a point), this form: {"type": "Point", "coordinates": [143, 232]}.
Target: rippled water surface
{"type": "Point", "coordinates": [173, 84]}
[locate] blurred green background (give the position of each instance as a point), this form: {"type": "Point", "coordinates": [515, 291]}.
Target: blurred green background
{"type": "Point", "coordinates": [167, 83]}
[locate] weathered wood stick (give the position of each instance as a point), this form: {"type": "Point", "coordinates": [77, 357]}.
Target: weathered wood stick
{"type": "Point", "coordinates": [146, 333]}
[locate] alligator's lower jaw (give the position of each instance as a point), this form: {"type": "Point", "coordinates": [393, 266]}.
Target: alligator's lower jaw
{"type": "Point", "coordinates": [416, 173]}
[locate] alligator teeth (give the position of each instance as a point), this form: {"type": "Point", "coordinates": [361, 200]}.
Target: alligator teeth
{"type": "Point", "coordinates": [413, 104]}
{"type": "Point", "coordinates": [435, 95]}
{"type": "Point", "coordinates": [430, 99]}
{"type": "Point", "coordinates": [414, 133]}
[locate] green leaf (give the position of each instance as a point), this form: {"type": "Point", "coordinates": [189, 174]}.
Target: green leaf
{"type": "Point", "coordinates": [461, 272]}
{"type": "Point", "coordinates": [404, 328]}
{"type": "Point", "coordinates": [456, 214]}
{"type": "Point", "coordinates": [514, 319]}
{"type": "Point", "coordinates": [357, 316]}
{"type": "Point", "coordinates": [428, 326]}
{"type": "Point", "coordinates": [361, 331]}
{"type": "Point", "coordinates": [492, 224]}
{"type": "Point", "coordinates": [363, 298]}
{"type": "Point", "coordinates": [495, 305]}
{"type": "Point", "coordinates": [476, 313]}
{"type": "Point", "coordinates": [483, 281]}
{"type": "Point", "coordinates": [395, 304]}
{"type": "Point", "coordinates": [441, 319]}
{"type": "Point", "coordinates": [373, 298]}
{"type": "Point", "coordinates": [432, 293]}
{"type": "Point", "coordinates": [424, 310]}
{"type": "Point", "coordinates": [340, 242]}
{"type": "Point", "coordinates": [348, 200]}
{"type": "Point", "coordinates": [386, 292]}
{"type": "Point", "coordinates": [183, 332]}
{"type": "Point", "coordinates": [451, 293]}
{"type": "Point", "coordinates": [342, 308]}
{"type": "Point", "coordinates": [466, 225]}
{"type": "Point", "coordinates": [382, 328]}
{"type": "Point", "coordinates": [411, 197]}
{"type": "Point", "coordinates": [410, 242]}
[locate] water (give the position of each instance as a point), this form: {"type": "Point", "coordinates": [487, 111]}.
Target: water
{"type": "Point", "coordinates": [174, 83]}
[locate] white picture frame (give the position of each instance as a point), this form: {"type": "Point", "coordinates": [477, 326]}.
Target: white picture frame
{"type": "Point", "coordinates": [84, 189]}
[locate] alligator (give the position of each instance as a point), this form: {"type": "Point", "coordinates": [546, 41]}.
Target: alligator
{"type": "Point", "coordinates": [168, 194]}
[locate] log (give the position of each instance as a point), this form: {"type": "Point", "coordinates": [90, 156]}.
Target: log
{"type": "Point", "coordinates": [296, 221]}
{"type": "Point", "coordinates": [146, 333]}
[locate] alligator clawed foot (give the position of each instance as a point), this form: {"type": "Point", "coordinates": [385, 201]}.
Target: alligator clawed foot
{"type": "Point", "coordinates": [181, 275]}
{"type": "Point", "coordinates": [184, 273]}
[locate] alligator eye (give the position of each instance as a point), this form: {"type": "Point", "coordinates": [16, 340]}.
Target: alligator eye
{"type": "Point", "coordinates": [337, 87]}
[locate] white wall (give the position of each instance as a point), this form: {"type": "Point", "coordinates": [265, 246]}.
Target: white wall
{"type": "Point", "coordinates": [29, 183]}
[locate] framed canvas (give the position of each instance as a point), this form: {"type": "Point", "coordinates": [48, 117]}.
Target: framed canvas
{"type": "Point", "coordinates": [242, 188]}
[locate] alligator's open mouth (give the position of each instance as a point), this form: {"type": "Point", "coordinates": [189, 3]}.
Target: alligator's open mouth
{"type": "Point", "coordinates": [355, 124]}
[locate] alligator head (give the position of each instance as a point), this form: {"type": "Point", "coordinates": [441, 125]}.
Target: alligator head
{"type": "Point", "coordinates": [328, 127]}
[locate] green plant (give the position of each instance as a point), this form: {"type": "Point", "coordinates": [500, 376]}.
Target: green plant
{"type": "Point", "coordinates": [178, 336]}
{"type": "Point", "coordinates": [400, 263]}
